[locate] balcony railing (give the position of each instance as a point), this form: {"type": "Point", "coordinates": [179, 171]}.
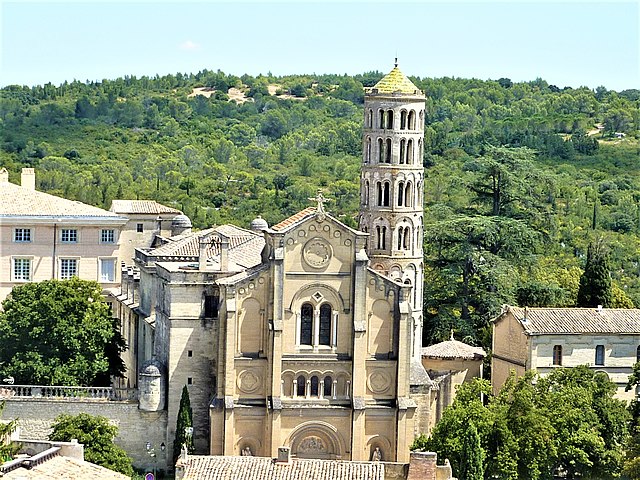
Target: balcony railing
{"type": "Point", "coordinates": [68, 393]}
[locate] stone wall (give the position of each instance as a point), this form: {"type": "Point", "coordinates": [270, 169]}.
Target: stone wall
{"type": "Point", "coordinates": [135, 427]}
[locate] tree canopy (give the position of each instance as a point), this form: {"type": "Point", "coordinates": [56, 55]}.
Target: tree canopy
{"type": "Point", "coordinates": [59, 332]}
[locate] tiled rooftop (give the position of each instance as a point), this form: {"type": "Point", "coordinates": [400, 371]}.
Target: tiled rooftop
{"type": "Point", "coordinates": [262, 468]}
{"type": "Point", "coordinates": [577, 320]}
{"type": "Point", "coordinates": [396, 82]}
{"type": "Point", "coordinates": [453, 350]}
{"type": "Point", "coordinates": [141, 206]}
{"type": "Point", "coordinates": [63, 468]}
{"type": "Point", "coordinates": [294, 219]}
{"type": "Point", "coordinates": [20, 201]}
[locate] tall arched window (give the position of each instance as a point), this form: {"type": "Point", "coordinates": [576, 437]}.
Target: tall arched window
{"type": "Point", "coordinates": [400, 235]}
{"type": "Point", "coordinates": [314, 386]}
{"type": "Point", "coordinates": [421, 123]}
{"type": "Point", "coordinates": [403, 120]}
{"type": "Point", "coordinates": [403, 150]}
{"type": "Point", "coordinates": [380, 151]}
{"type": "Point", "coordinates": [365, 200]}
{"type": "Point", "coordinates": [410, 152]}
{"type": "Point", "coordinates": [389, 119]}
{"type": "Point", "coordinates": [301, 384]}
{"type": "Point", "coordinates": [412, 120]}
{"type": "Point", "coordinates": [599, 354]}
{"type": "Point", "coordinates": [367, 157]}
{"type": "Point", "coordinates": [400, 194]}
{"type": "Point", "coordinates": [406, 239]}
{"type": "Point", "coordinates": [324, 337]}
{"type": "Point", "coordinates": [381, 234]}
{"type": "Point", "coordinates": [387, 152]}
{"type": "Point", "coordinates": [369, 118]}
{"type": "Point", "coordinates": [420, 156]}
{"type": "Point", "coordinates": [385, 194]}
{"type": "Point", "coordinates": [381, 119]}
{"type": "Point", "coordinates": [408, 190]}
{"type": "Point", "coordinates": [557, 355]}
{"type": "Point", "coordinates": [379, 193]}
{"type": "Point", "coordinates": [306, 324]}
{"type": "Point", "coordinates": [328, 382]}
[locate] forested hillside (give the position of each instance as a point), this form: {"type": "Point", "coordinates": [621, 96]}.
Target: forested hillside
{"type": "Point", "coordinates": [520, 177]}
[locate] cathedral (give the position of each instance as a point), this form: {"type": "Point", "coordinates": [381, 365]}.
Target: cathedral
{"type": "Point", "coordinates": [307, 333]}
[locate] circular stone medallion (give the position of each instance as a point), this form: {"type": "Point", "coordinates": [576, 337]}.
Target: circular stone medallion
{"type": "Point", "coordinates": [317, 252]}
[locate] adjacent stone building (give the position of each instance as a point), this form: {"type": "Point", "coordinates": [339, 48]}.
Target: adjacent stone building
{"type": "Point", "coordinates": [605, 339]}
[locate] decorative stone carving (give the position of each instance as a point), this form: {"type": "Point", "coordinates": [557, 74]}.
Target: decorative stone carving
{"type": "Point", "coordinates": [248, 381]}
{"type": "Point", "coordinates": [312, 445]}
{"type": "Point", "coordinates": [379, 381]}
{"type": "Point", "coordinates": [317, 253]}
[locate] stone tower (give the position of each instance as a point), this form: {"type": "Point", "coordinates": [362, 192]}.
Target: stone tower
{"type": "Point", "coordinates": [391, 203]}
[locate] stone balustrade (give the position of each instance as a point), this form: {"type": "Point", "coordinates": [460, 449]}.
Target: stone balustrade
{"type": "Point", "coordinates": [67, 393]}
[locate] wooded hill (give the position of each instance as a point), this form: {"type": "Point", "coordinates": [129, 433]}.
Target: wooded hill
{"type": "Point", "coordinates": [520, 177]}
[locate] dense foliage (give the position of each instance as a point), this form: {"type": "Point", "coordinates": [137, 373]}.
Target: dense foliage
{"type": "Point", "coordinates": [595, 282]}
{"type": "Point", "coordinates": [7, 449]}
{"type": "Point", "coordinates": [512, 224]}
{"type": "Point", "coordinates": [59, 332]}
{"type": "Point", "coordinates": [96, 434]}
{"type": "Point", "coordinates": [184, 421]}
{"type": "Point", "coordinates": [565, 423]}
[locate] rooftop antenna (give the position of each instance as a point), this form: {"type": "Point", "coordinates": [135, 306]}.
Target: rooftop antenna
{"type": "Point", "coordinates": [396, 60]}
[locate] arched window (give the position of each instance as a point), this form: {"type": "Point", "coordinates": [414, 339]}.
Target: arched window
{"type": "Point", "coordinates": [390, 119]}
{"type": "Point", "coordinates": [420, 156]}
{"type": "Point", "coordinates": [380, 151]}
{"type": "Point", "coordinates": [381, 119]}
{"type": "Point", "coordinates": [328, 382]}
{"type": "Point", "coordinates": [369, 118]}
{"type": "Point", "coordinates": [325, 325]}
{"type": "Point", "coordinates": [379, 194]}
{"type": "Point", "coordinates": [306, 324]}
{"type": "Point", "coordinates": [557, 355]}
{"type": "Point", "coordinates": [400, 194]}
{"type": "Point", "coordinates": [388, 151]}
{"type": "Point", "coordinates": [403, 150]}
{"type": "Point", "coordinates": [400, 229]}
{"type": "Point", "coordinates": [381, 233]}
{"type": "Point", "coordinates": [385, 194]}
{"type": "Point", "coordinates": [408, 190]}
{"type": "Point", "coordinates": [421, 126]}
{"type": "Point", "coordinates": [410, 152]}
{"type": "Point", "coordinates": [314, 386]}
{"type": "Point", "coordinates": [367, 157]}
{"type": "Point", "coordinates": [600, 355]}
{"type": "Point", "coordinates": [301, 384]}
{"type": "Point", "coordinates": [365, 200]}
{"type": "Point", "coordinates": [403, 120]}
{"type": "Point", "coordinates": [406, 239]}
{"type": "Point", "coordinates": [412, 120]}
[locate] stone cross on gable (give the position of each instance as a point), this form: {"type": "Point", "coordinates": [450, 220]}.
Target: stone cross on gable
{"type": "Point", "coordinates": [321, 201]}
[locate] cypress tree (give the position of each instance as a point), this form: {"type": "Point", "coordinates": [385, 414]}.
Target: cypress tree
{"type": "Point", "coordinates": [472, 455]}
{"type": "Point", "coordinates": [595, 282]}
{"type": "Point", "coordinates": [185, 420]}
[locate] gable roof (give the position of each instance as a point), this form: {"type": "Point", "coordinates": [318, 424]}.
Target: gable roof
{"type": "Point", "coordinates": [258, 468]}
{"type": "Point", "coordinates": [141, 206]}
{"type": "Point", "coordinates": [60, 467]}
{"type": "Point", "coordinates": [18, 201]}
{"type": "Point", "coordinates": [540, 321]}
{"type": "Point", "coordinates": [452, 350]}
{"type": "Point", "coordinates": [294, 219]}
{"type": "Point", "coordinates": [395, 82]}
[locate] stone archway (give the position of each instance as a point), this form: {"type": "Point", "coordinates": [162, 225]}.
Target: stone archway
{"type": "Point", "coordinates": [316, 440]}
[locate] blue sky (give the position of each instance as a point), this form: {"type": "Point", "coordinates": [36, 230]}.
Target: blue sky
{"type": "Point", "coordinates": [570, 43]}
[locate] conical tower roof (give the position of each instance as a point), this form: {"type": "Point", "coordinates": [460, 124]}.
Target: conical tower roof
{"type": "Point", "coordinates": [395, 82]}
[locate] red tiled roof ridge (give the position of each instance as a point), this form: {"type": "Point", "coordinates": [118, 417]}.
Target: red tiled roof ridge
{"type": "Point", "coordinates": [293, 219]}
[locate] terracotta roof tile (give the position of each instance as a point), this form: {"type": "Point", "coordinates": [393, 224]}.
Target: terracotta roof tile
{"type": "Point", "coordinates": [20, 201]}
{"type": "Point", "coordinates": [63, 468]}
{"type": "Point", "coordinates": [260, 468]}
{"type": "Point", "coordinates": [141, 206]}
{"type": "Point", "coordinates": [577, 320]}
{"type": "Point", "coordinates": [293, 219]}
{"type": "Point", "coordinates": [453, 349]}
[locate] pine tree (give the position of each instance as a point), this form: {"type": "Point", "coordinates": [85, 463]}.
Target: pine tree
{"type": "Point", "coordinates": [185, 420]}
{"type": "Point", "coordinates": [472, 455]}
{"type": "Point", "coordinates": [595, 283]}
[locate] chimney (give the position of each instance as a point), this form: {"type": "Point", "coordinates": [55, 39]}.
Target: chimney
{"type": "Point", "coordinates": [224, 253]}
{"type": "Point", "coordinates": [599, 308]}
{"type": "Point", "coordinates": [202, 257]}
{"type": "Point", "coordinates": [422, 466]}
{"type": "Point", "coordinates": [28, 178]}
{"type": "Point", "coordinates": [4, 175]}
{"type": "Point", "coordinates": [284, 455]}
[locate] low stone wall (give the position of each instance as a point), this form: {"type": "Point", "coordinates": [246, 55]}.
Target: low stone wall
{"type": "Point", "coordinates": [135, 427]}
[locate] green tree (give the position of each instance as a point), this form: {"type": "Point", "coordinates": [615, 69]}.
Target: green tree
{"type": "Point", "coordinates": [96, 434]}
{"type": "Point", "coordinates": [7, 450]}
{"type": "Point", "coordinates": [595, 283]}
{"type": "Point", "coordinates": [184, 421]}
{"type": "Point", "coordinates": [59, 332]}
{"type": "Point", "coordinates": [471, 463]}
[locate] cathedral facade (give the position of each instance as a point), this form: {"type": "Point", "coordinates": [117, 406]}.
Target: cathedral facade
{"type": "Point", "coordinates": [305, 334]}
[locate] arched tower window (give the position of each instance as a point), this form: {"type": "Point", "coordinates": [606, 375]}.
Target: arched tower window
{"type": "Point", "coordinates": [367, 156]}
{"type": "Point", "coordinates": [389, 119]}
{"type": "Point", "coordinates": [406, 238]}
{"type": "Point", "coordinates": [325, 325]}
{"type": "Point", "coordinates": [400, 235]}
{"type": "Point", "coordinates": [328, 382]}
{"type": "Point", "coordinates": [381, 234]}
{"type": "Point", "coordinates": [365, 200]}
{"type": "Point", "coordinates": [421, 126]}
{"type": "Point", "coordinates": [408, 190]}
{"type": "Point", "coordinates": [306, 324]}
{"type": "Point", "coordinates": [410, 152]}
{"type": "Point", "coordinates": [370, 118]}
{"type": "Point", "coordinates": [420, 156]}
{"type": "Point", "coordinates": [314, 386]}
{"type": "Point", "coordinates": [379, 194]}
{"type": "Point", "coordinates": [380, 151]}
{"type": "Point", "coordinates": [412, 120]}
{"type": "Point", "coordinates": [388, 151]}
{"type": "Point", "coordinates": [301, 384]}
{"type": "Point", "coordinates": [400, 194]}
{"type": "Point", "coordinates": [403, 120]}
{"type": "Point", "coordinates": [385, 194]}
{"type": "Point", "coordinates": [381, 119]}
{"type": "Point", "coordinates": [403, 149]}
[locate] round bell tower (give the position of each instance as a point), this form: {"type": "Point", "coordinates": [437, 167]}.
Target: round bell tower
{"type": "Point", "coordinates": [391, 185]}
